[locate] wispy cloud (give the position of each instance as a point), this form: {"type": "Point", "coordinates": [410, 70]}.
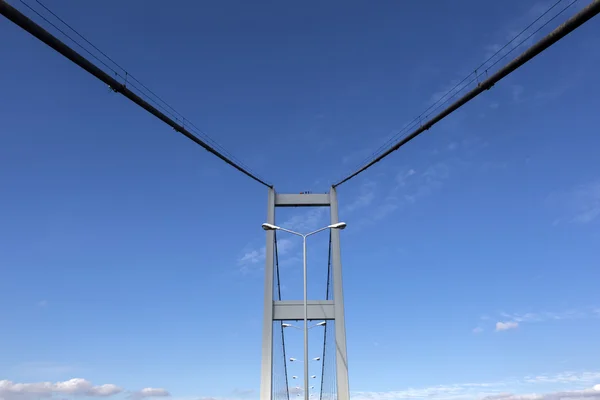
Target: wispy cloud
{"type": "Point", "coordinates": [477, 330]}
{"type": "Point", "coordinates": [580, 204]}
{"type": "Point", "coordinates": [593, 393]}
{"type": "Point", "coordinates": [517, 93]}
{"type": "Point", "coordinates": [408, 186]}
{"type": "Point", "coordinates": [506, 44]}
{"type": "Point", "coordinates": [252, 256]}
{"type": "Point", "coordinates": [412, 185]}
{"type": "Point", "coordinates": [504, 326]}
{"type": "Point", "coordinates": [42, 303]}
{"type": "Point", "coordinates": [586, 378]}
{"type": "Point", "coordinates": [507, 321]}
{"type": "Point", "coordinates": [546, 316]}
{"type": "Point", "coordinates": [364, 198]}
{"type": "Point", "coordinates": [305, 221]}
{"type": "Point", "coordinates": [75, 387]}
{"type": "Point", "coordinates": [243, 392]}
{"type": "Point", "coordinates": [515, 30]}
{"type": "Point", "coordinates": [150, 392]}
{"type": "Point", "coordinates": [509, 389]}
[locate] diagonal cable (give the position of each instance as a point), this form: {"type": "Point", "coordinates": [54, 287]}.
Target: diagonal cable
{"type": "Point", "coordinates": [40, 33]}
{"type": "Point", "coordinates": [561, 31]}
{"type": "Point", "coordinates": [149, 93]}
{"type": "Point", "coordinates": [431, 108]}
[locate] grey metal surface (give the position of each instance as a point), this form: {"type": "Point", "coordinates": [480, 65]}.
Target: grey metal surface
{"type": "Point", "coordinates": [305, 306]}
{"type": "Point", "coordinates": [305, 309]}
{"type": "Point", "coordinates": [289, 310]}
{"type": "Point", "coordinates": [266, 380]}
{"type": "Point", "coordinates": [302, 200]}
{"type": "Point", "coordinates": [343, 389]}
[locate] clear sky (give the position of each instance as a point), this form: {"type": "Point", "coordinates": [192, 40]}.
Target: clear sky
{"type": "Point", "coordinates": [130, 257]}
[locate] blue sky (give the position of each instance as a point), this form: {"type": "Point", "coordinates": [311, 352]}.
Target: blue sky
{"type": "Point", "coordinates": [133, 259]}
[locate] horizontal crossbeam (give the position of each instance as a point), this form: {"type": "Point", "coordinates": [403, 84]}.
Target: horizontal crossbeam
{"type": "Point", "coordinates": [302, 200]}
{"type": "Point", "coordinates": [289, 310]}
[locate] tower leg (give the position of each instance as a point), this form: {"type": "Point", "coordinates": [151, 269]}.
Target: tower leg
{"type": "Point", "coordinates": [266, 379]}
{"type": "Point", "coordinates": [341, 357]}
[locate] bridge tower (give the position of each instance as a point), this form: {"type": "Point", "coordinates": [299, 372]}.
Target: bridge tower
{"type": "Point", "coordinates": [282, 310]}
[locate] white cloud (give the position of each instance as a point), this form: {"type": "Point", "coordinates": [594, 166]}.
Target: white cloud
{"type": "Point", "coordinates": [580, 205]}
{"type": "Point", "coordinates": [150, 392]}
{"type": "Point", "coordinates": [545, 316]}
{"type": "Point", "coordinates": [504, 326]}
{"type": "Point", "coordinates": [514, 320]}
{"type": "Point", "coordinates": [402, 176]}
{"type": "Point", "coordinates": [510, 389]}
{"type": "Point", "coordinates": [517, 93]}
{"type": "Point", "coordinates": [410, 186]}
{"type": "Point", "coordinates": [593, 393]}
{"type": "Point", "coordinates": [565, 377]}
{"type": "Point", "coordinates": [284, 246]}
{"type": "Point", "coordinates": [586, 201]}
{"type": "Point", "coordinates": [256, 256]}
{"type": "Point", "coordinates": [445, 392]}
{"type": "Point", "coordinates": [364, 199]}
{"type": "Point", "coordinates": [104, 390]}
{"type": "Point", "coordinates": [361, 201]}
{"type": "Point", "coordinates": [303, 222]}
{"type": "Point", "coordinates": [252, 256]}
{"type": "Point", "coordinates": [76, 386]}
{"type": "Point", "coordinates": [477, 330]}
{"type": "Point", "coordinates": [306, 221]}
{"type": "Point", "coordinates": [244, 392]}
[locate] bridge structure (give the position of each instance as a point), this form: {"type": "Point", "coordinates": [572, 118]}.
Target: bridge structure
{"type": "Point", "coordinates": [329, 311]}
{"type": "Point", "coordinates": [333, 382]}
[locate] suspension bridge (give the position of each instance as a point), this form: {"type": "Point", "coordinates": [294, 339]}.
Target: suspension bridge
{"type": "Point", "coordinates": [326, 313]}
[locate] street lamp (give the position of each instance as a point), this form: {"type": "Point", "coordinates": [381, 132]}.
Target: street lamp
{"type": "Point", "coordinates": [322, 323]}
{"type": "Point", "coordinates": [271, 227]}
{"type": "Point", "coordinates": [292, 359]}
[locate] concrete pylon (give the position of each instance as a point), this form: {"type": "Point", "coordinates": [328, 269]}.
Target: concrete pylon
{"type": "Point", "coordinates": [285, 310]}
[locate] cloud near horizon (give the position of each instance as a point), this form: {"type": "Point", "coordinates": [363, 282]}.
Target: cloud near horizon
{"type": "Point", "coordinates": [10, 390]}
{"type": "Point", "coordinates": [586, 386]}
{"type": "Point", "coordinates": [150, 392]}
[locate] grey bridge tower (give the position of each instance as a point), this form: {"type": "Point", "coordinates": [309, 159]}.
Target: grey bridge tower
{"type": "Point", "coordinates": [282, 310]}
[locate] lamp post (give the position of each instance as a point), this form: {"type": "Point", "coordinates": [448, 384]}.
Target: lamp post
{"type": "Point", "coordinates": [292, 359]}
{"type": "Point", "coordinates": [271, 227]}
{"type": "Point", "coordinates": [322, 323]}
